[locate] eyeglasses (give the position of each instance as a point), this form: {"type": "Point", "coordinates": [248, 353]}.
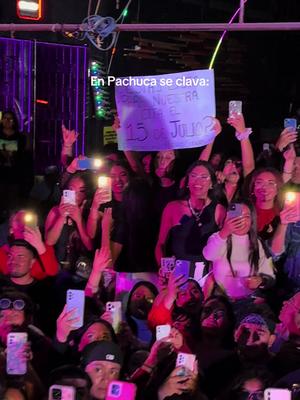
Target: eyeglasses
{"type": "Point", "coordinates": [258, 395]}
{"type": "Point", "coordinates": [217, 313]}
{"type": "Point", "coordinates": [17, 305]}
{"type": "Point", "coordinates": [200, 177]}
{"type": "Point", "coordinates": [269, 184]}
{"type": "Point", "coordinates": [238, 164]}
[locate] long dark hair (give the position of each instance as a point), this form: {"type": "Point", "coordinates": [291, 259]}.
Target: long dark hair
{"type": "Point", "coordinates": [15, 120]}
{"type": "Point", "coordinates": [253, 238]}
{"type": "Point", "coordinates": [185, 192]}
{"type": "Point", "coordinates": [248, 189]}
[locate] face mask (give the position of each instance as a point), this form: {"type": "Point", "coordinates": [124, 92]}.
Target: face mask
{"type": "Point", "coordinates": [140, 308]}
{"type": "Point", "coordinates": [254, 353]}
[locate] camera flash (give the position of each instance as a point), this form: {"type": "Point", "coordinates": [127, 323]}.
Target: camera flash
{"type": "Point", "coordinates": [103, 181]}
{"type": "Point", "coordinates": [290, 197]}
{"type": "Point", "coordinates": [97, 162]}
{"type": "Point", "coordinates": [28, 217]}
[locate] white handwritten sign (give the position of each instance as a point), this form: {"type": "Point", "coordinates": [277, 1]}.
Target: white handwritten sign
{"type": "Point", "coordinates": [161, 112]}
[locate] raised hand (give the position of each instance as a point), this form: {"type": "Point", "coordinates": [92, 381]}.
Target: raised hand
{"type": "Point", "coordinates": [65, 324]}
{"type": "Point", "coordinates": [33, 236]}
{"type": "Point", "coordinates": [238, 122]}
{"type": "Point", "coordinates": [69, 136]}
{"type": "Point", "coordinates": [286, 137]}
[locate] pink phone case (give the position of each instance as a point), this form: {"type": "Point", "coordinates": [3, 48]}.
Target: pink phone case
{"type": "Point", "coordinates": [121, 390]}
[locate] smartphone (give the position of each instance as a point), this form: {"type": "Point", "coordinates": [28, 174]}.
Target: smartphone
{"type": "Point", "coordinates": [89, 163]}
{"type": "Point", "coordinates": [186, 360]}
{"type": "Point", "coordinates": [162, 331]}
{"type": "Point", "coordinates": [104, 182]}
{"type": "Point", "coordinates": [121, 390]}
{"type": "Point", "coordinates": [115, 309]}
{"type": "Point", "coordinates": [15, 364]}
{"type": "Point", "coordinates": [277, 394]}
{"type": "Point", "coordinates": [30, 219]}
{"type": "Point", "coordinates": [75, 301]}
{"type": "Point", "coordinates": [167, 265]}
{"type": "Point", "coordinates": [182, 267]}
{"type": "Point", "coordinates": [235, 107]}
{"type": "Point", "coordinates": [290, 123]}
{"type": "Point", "coordinates": [235, 210]}
{"type": "Point", "coordinates": [69, 197]}
{"type": "Point", "coordinates": [59, 392]}
{"type": "Point", "coordinates": [292, 199]}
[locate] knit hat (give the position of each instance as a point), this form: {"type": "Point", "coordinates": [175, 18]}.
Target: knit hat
{"type": "Point", "coordinates": [257, 319]}
{"type": "Point", "coordinates": [102, 351]}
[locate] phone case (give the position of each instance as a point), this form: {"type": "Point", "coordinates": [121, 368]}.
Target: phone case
{"type": "Point", "coordinates": [235, 107]}
{"type": "Point", "coordinates": [277, 394]}
{"type": "Point", "coordinates": [115, 308]}
{"type": "Point", "coordinates": [69, 197]}
{"type": "Point", "coordinates": [182, 267]}
{"type": "Point", "coordinates": [186, 360]}
{"type": "Point", "coordinates": [14, 364]}
{"type": "Point", "coordinates": [167, 265]}
{"type": "Point", "coordinates": [121, 390]}
{"type": "Point", "coordinates": [162, 331]}
{"type": "Point", "coordinates": [59, 392]}
{"type": "Point", "coordinates": [235, 210]}
{"type": "Point", "coordinates": [75, 300]}
{"type": "Point", "coordinates": [290, 123]}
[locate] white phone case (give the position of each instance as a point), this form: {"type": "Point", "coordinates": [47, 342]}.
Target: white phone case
{"type": "Point", "coordinates": [115, 308]}
{"type": "Point", "coordinates": [59, 392]}
{"type": "Point", "coordinates": [104, 182]}
{"type": "Point", "coordinates": [75, 300]}
{"type": "Point", "coordinates": [277, 394]}
{"type": "Point", "coordinates": [186, 360]}
{"type": "Point", "coordinates": [14, 364]}
{"type": "Point", "coordinates": [162, 331]}
{"type": "Point", "coordinates": [69, 197]}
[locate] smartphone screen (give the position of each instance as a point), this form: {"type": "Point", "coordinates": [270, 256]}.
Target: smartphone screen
{"type": "Point", "coordinates": [75, 301]}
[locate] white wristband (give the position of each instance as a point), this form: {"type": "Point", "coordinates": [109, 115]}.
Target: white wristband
{"type": "Point", "coordinates": [243, 135]}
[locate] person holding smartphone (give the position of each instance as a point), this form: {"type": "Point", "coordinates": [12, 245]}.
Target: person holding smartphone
{"type": "Point", "coordinates": [239, 263]}
{"type": "Point", "coordinates": [65, 226]}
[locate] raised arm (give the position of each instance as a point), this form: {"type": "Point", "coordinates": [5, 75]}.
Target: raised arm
{"type": "Point", "coordinates": [54, 224]}
{"type": "Point", "coordinates": [288, 167]}
{"type": "Point", "coordinates": [206, 152]}
{"type": "Point", "coordinates": [242, 134]}
{"type": "Point", "coordinates": [69, 138]}
{"type": "Point", "coordinates": [165, 226]}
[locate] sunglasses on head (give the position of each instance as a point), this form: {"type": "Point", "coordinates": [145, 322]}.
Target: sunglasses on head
{"type": "Point", "coordinates": [17, 305]}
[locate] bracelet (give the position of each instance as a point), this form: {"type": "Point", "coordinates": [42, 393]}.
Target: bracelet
{"type": "Point", "coordinates": [243, 135]}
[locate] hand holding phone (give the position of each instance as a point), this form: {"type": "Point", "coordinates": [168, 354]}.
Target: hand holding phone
{"type": "Point", "coordinates": [167, 265]}
{"type": "Point", "coordinates": [115, 310]}
{"type": "Point", "coordinates": [182, 267]}
{"type": "Point", "coordinates": [75, 301]}
{"type": "Point", "coordinates": [290, 123]}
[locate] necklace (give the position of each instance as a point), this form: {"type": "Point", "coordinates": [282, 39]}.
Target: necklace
{"type": "Point", "coordinates": [196, 214]}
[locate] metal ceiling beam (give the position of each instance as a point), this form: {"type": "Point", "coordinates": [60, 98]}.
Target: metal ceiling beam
{"type": "Point", "coordinates": [259, 26]}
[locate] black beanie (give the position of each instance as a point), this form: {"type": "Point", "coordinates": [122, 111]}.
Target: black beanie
{"type": "Point", "coordinates": [102, 351]}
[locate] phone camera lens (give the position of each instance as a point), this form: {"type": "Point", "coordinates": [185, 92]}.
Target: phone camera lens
{"type": "Point", "coordinates": [56, 394]}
